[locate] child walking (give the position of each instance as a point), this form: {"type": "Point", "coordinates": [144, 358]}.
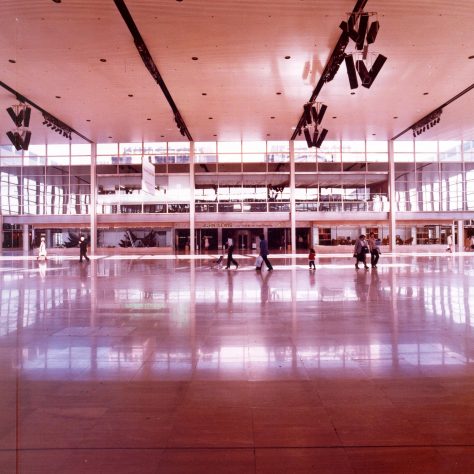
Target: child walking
{"type": "Point", "coordinates": [311, 259]}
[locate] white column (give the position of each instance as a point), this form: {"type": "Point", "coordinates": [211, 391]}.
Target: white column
{"type": "Point", "coordinates": [292, 196]}
{"type": "Point", "coordinates": [391, 197]}
{"type": "Point", "coordinates": [192, 206]}
{"type": "Point", "coordinates": [460, 235]}
{"type": "Point", "coordinates": [413, 235]}
{"type": "Point", "coordinates": [93, 206]}
{"type": "Point", "coordinates": [26, 239]}
{"type": "Point", "coordinates": [315, 235]}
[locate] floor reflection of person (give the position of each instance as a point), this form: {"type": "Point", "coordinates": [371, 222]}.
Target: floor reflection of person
{"type": "Point", "coordinates": [361, 286]}
{"type": "Point", "coordinates": [264, 289]}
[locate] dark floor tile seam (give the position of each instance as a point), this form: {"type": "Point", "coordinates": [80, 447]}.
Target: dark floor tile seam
{"type": "Point", "coordinates": [237, 448]}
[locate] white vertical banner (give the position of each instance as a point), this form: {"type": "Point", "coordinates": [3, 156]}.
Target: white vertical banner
{"type": "Point", "coordinates": [148, 176]}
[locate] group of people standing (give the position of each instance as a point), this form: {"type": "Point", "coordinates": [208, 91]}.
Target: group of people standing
{"type": "Point", "coordinates": [365, 246]}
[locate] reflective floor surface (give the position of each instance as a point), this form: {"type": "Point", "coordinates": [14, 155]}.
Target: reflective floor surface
{"type": "Point", "coordinates": [160, 364]}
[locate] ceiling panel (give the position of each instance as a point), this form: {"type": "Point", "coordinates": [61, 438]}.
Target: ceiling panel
{"type": "Point", "coordinates": [241, 48]}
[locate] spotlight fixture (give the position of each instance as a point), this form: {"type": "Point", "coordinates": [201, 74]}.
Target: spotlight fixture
{"type": "Point", "coordinates": [57, 126]}
{"type": "Point", "coordinates": [427, 122]}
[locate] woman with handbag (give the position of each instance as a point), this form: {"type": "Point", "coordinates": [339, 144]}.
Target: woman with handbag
{"type": "Point", "coordinates": [361, 249]}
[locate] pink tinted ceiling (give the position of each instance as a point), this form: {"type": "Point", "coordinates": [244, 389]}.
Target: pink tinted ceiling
{"type": "Point", "coordinates": [242, 85]}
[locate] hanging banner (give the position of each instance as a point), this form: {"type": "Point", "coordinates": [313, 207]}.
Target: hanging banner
{"type": "Point", "coordinates": [148, 176]}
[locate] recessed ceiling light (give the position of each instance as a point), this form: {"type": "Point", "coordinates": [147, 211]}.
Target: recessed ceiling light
{"type": "Point", "coordinates": [58, 97]}
{"type": "Point", "coordinates": [210, 118]}
{"type": "Point", "coordinates": [162, 136]}
{"type": "Point", "coordinates": [334, 117]}
{"type": "Point", "coordinates": [130, 95]}
{"type": "Point", "coordinates": [425, 93]}
{"type": "Point", "coordinates": [88, 120]}
{"type": "Point", "coordinates": [103, 60]}
{"type": "Point", "coordinates": [287, 57]}
{"type": "Point", "coordinates": [471, 57]}
{"type": "Point", "coordinates": [179, 0]}
{"type": "Point", "coordinates": [272, 118]}
{"type": "Point", "coordinates": [148, 118]}
{"type": "Point", "coordinates": [194, 58]}
{"type": "Point", "coordinates": [268, 134]}
{"type": "Point", "coordinates": [395, 117]}
{"type": "Point", "coordinates": [57, 1]}
{"type": "Point", "coordinates": [352, 93]}
{"type": "Point", "coordinates": [374, 134]}
{"type": "Point", "coordinates": [204, 93]}
{"type": "Point", "coordinates": [12, 61]}
{"type": "Point", "coordinates": [278, 93]}
{"type": "Point", "coordinates": [110, 137]}
{"type": "Point", "coordinates": [214, 135]}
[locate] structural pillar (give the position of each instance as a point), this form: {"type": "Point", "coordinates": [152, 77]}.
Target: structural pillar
{"type": "Point", "coordinates": [292, 196]}
{"type": "Point", "coordinates": [1, 230]}
{"type": "Point", "coordinates": [392, 203]}
{"type": "Point", "coordinates": [460, 235]}
{"type": "Point", "coordinates": [26, 239]}
{"type": "Point", "coordinates": [192, 207]}
{"type": "Point", "coordinates": [93, 206]}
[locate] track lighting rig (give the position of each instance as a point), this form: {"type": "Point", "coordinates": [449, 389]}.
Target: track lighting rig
{"type": "Point", "coordinates": [427, 122]}
{"type": "Point", "coordinates": [56, 125]}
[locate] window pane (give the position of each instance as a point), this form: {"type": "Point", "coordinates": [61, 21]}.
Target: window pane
{"type": "Point", "coordinates": [158, 148]}
{"type": "Point", "coordinates": [107, 148]}
{"type": "Point", "coordinates": [253, 157]}
{"type": "Point", "coordinates": [428, 146]}
{"type": "Point", "coordinates": [58, 150]}
{"type": "Point", "coordinates": [403, 157]}
{"type": "Point", "coordinates": [403, 146]}
{"type": "Point", "coordinates": [205, 147]}
{"type": "Point", "coordinates": [278, 146]}
{"type": "Point", "coordinates": [352, 145]}
{"type": "Point", "coordinates": [377, 157]}
{"type": "Point", "coordinates": [424, 157]}
{"type": "Point", "coordinates": [452, 146]}
{"type": "Point", "coordinates": [254, 147]}
{"type": "Point", "coordinates": [377, 146]}
{"type": "Point", "coordinates": [331, 146]}
{"type": "Point", "coordinates": [130, 148]}
{"type": "Point", "coordinates": [229, 147]}
{"type": "Point", "coordinates": [80, 149]}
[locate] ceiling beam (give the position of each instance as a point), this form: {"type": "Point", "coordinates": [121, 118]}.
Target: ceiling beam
{"type": "Point", "coordinates": [150, 65]}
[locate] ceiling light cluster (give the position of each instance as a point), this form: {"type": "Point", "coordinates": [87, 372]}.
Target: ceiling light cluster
{"type": "Point", "coordinates": [427, 122]}
{"type": "Point", "coordinates": [362, 29]}
{"type": "Point", "coordinates": [20, 137]}
{"type": "Point", "coordinates": [57, 126]}
{"type": "Point", "coordinates": [312, 117]}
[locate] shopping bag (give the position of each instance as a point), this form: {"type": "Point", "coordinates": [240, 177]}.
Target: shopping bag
{"type": "Point", "coordinates": [259, 262]}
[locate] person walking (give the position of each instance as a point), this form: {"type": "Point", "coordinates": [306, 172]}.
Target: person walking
{"type": "Point", "coordinates": [312, 258]}
{"type": "Point", "coordinates": [374, 250]}
{"type": "Point", "coordinates": [42, 254]}
{"type": "Point", "coordinates": [230, 257]}
{"type": "Point", "coordinates": [361, 249]}
{"type": "Point", "coordinates": [450, 244]}
{"type": "Point", "coordinates": [83, 249]}
{"type": "Point", "coordinates": [264, 252]}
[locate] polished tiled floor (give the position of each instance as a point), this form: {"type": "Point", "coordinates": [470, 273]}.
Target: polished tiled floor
{"type": "Point", "coordinates": [158, 364]}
